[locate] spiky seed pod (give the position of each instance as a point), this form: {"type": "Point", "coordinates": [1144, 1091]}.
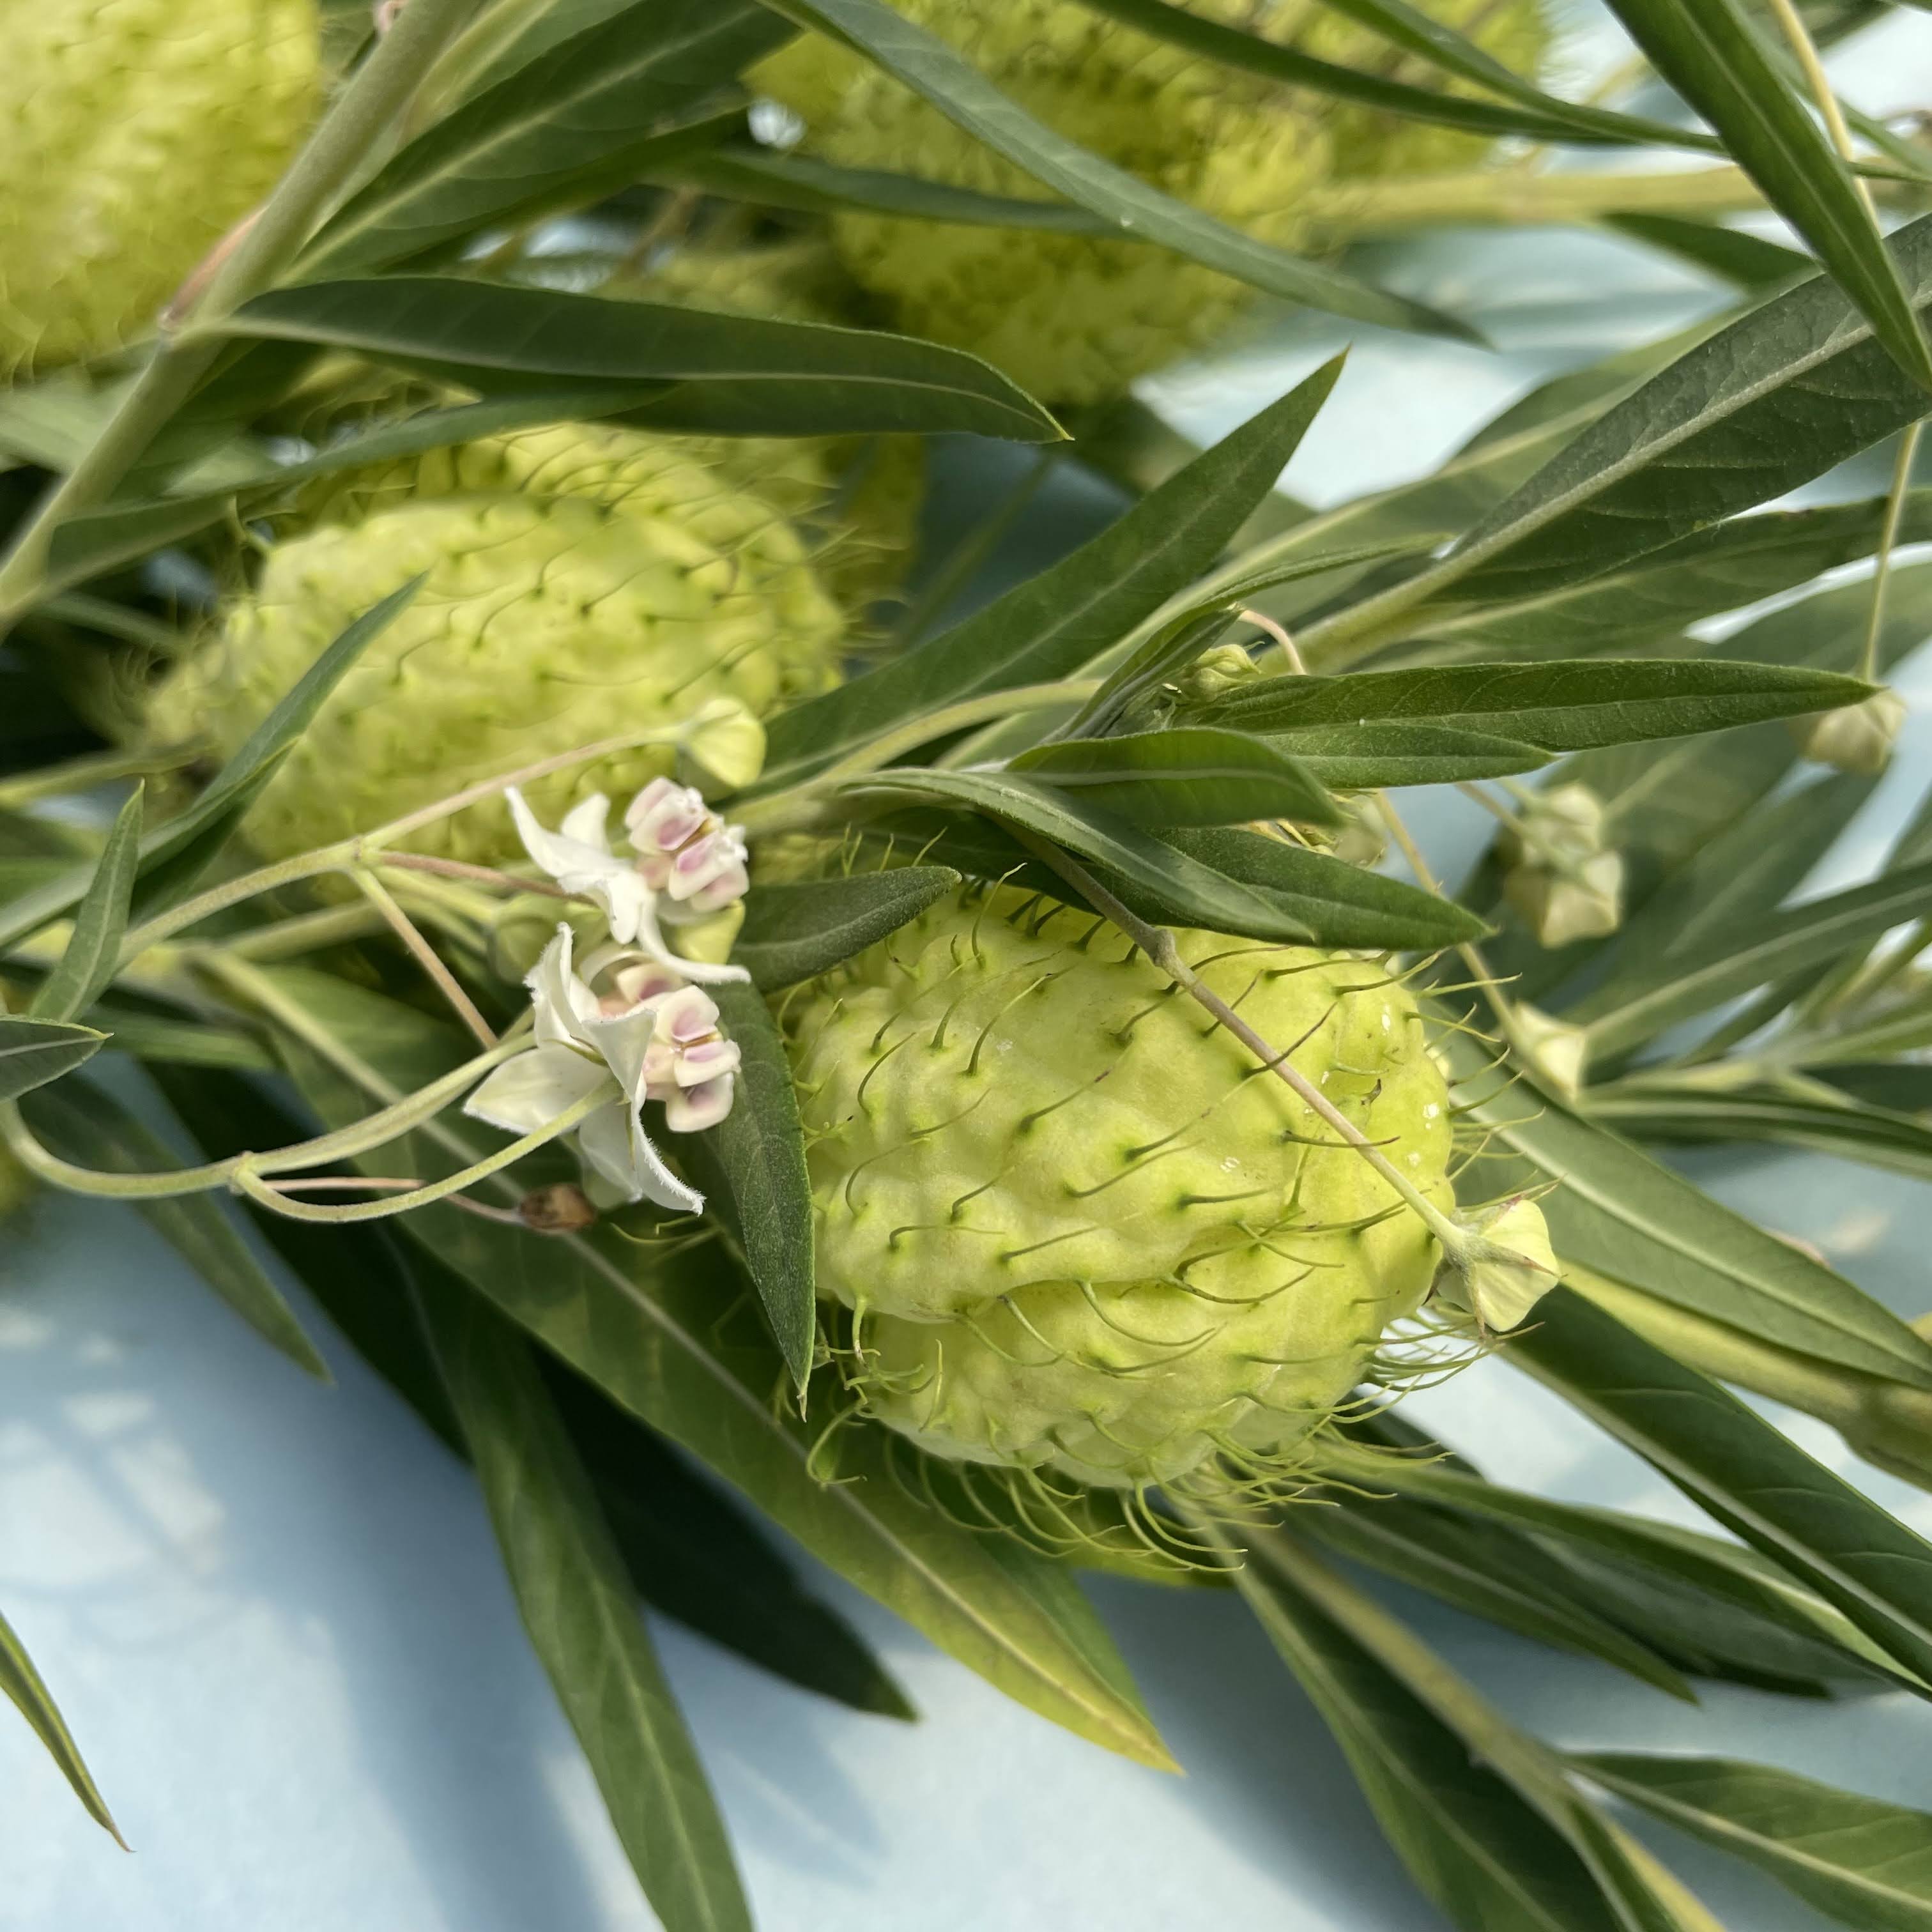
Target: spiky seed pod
{"type": "Point", "coordinates": [133, 134]}
{"type": "Point", "coordinates": [579, 583]}
{"type": "Point", "coordinates": [1077, 1225]}
{"type": "Point", "coordinates": [1073, 319]}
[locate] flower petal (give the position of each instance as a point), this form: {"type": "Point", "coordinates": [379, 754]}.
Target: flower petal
{"type": "Point", "coordinates": [531, 1091]}
{"type": "Point", "coordinates": [584, 824]}
{"type": "Point", "coordinates": [613, 1141]}
{"type": "Point", "coordinates": [561, 1002]}
{"type": "Point", "coordinates": [650, 941]}
{"type": "Point", "coordinates": [692, 1109]}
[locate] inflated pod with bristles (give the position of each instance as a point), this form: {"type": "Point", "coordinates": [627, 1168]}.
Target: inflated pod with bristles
{"type": "Point", "coordinates": [1078, 1227]}
{"type": "Point", "coordinates": [134, 133]}
{"type": "Point", "coordinates": [1072, 318]}
{"type": "Point", "coordinates": [579, 583]}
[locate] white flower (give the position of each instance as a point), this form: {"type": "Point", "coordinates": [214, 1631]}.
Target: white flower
{"type": "Point", "coordinates": [578, 856]}
{"type": "Point", "coordinates": [685, 849]}
{"type": "Point", "coordinates": [583, 1042]}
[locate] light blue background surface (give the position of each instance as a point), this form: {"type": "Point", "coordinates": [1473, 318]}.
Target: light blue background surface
{"type": "Point", "coordinates": [274, 1614]}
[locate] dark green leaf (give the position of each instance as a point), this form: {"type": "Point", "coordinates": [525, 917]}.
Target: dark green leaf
{"type": "Point", "coordinates": [81, 1124]}
{"type": "Point", "coordinates": [731, 374]}
{"type": "Point", "coordinates": [1339, 904]}
{"type": "Point", "coordinates": [503, 40]}
{"type": "Point", "coordinates": [1617, 1211]}
{"type": "Point", "coordinates": [1472, 1807]}
{"type": "Point", "coordinates": [793, 933]}
{"type": "Point", "coordinates": [931, 68]}
{"type": "Point", "coordinates": [572, 1587]}
{"type": "Point", "coordinates": [94, 948]}
{"type": "Point", "coordinates": [1401, 751]}
{"type": "Point", "coordinates": [1779, 397]}
{"type": "Point", "coordinates": [1546, 118]}
{"type": "Point", "coordinates": [1735, 255]}
{"type": "Point", "coordinates": [1560, 706]}
{"type": "Point", "coordinates": [1709, 52]}
{"type": "Point", "coordinates": [1756, 1482]}
{"type": "Point", "coordinates": [1050, 625]}
{"type": "Point", "coordinates": [1191, 776]}
{"type": "Point", "coordinates": [590, 113]}
{"type": "Point", "coordinates": [1643, 1003]}
{"type": "Point", "coordinates": [33, 1052]}
{"type": "Point", "coordinates": [1490, 1572]}
{"type": "Point", "coordinates": [757, 1153]}
{"type": "Point", "coordinates": [31, 1697]}
{"type": "Point", "coordinates": [1862, 1861]}
{"type": "Point", "coordinates": [822, 187]}
{"type": "Point", "coordinates": [666, 1331]}
{"type": "Point", "coordinates": [1711, 1606]}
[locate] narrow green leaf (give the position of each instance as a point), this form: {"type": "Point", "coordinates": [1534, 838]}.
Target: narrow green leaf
{"type": "Point", "coordinates": [1617, 1211]}
{"type": "Point", "coordinates": [926, 64]}
{"type": "Point", "coordinates": [1403, 751]}
{"type": "Point", "coordinates": [1733, 254]}
{"type": "Point", "coordinates": [1050, 625]}
{"type": "Point", "coordinates": [1860, 1860]}
{"type": "Point", "coordinates": [814, 187]}
{"type": "Point", "coordinates": [669, 1338]}
{"type": "Point", "coordinates": [730, 374]}
{"type": "Point", "coordinates": [1479, 1812]}
{"type": "Point", "coordinates": [1561, 706]}
{"type": "Point", "coordinates": [1715, 1607]}
{"type": "Point", "coordinates": [590, 113]}
{"type": "Point", "coordinates": [1756, 1482]}
{"type": "Point", "coordinates": [82, 1124]}
{"type": "Point", "coordinates": [1710, 52]}
{"type": "Point", "coordinates": [1546, 119]}
{"type": "Point", "coordinates": [758, 1152]}
{"type": "Point", "coordinates": [1201, 895]}
{"type": "Point", "coordinates": [1779, 396]}
{"type": "Point", "coordinates": [1192, 776]}
{"type": "Point", "coordinates": [570, 1586]}
{"type": "Point", "coordinates": [1490, 1572]}
{"type": "Point", "coordinates": [792, 933]}
{"type": "Point", "coordinates": [1680, 1113]}
{"type": "Point", "coordinates": [31, 1697]}
{"type": "Point", "coordinates": [33, 1052]}
{"type": "Point", "coordinates": [94, 948]}
{"type": "Point", "coordinates": [1680, 986]}
{"type": "Point", "coordinates": [1339, 904]}
{"type": "Point", "coordinates": [503, 38]}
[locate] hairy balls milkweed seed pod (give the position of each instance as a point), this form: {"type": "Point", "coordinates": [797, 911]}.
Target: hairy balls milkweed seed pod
{"type": "Point", "coordinates": [133, 134]}
{"type": "Point", "coordinates": [1077, 1226]}
{"type": "Point", "coordinates": [578, 583]}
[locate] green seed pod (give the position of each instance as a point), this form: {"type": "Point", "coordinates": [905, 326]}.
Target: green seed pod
{"type": "Point", "coordinates": [580, 583]}
{"type": "Point", "coordinates": [1071, 319]}
{"type": "Point", "coordinates": [1077, 1225]}
{"type": "Point", "coordinates": [134, 133]}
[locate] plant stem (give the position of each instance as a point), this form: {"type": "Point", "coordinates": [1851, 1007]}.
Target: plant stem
{"type": "Point", "coordinates": [365, 108]}
{"type": "Point", "coordinates": [1160, 946]}
{"type": "Point", "coordinates": [426, 956]}
{"type": "Point", "coordinates": [1894, 511]}
{"type": "Point", "coordinates": [248, 1180]}
{"type": "Point", "coordinates": [1503, 198]}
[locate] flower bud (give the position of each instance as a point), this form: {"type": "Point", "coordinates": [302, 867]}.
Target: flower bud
{"type": "Point", "coordinates": [1556, 1050]}
{"type": "Point", "coordinates": [1587, 902]}
{"type": "Point", "coordinates": [1223, 668]}
{"type": "Point", "coordinates": [1857, 738]}
{"type": "Point", "coordinates": [1507, 1269]}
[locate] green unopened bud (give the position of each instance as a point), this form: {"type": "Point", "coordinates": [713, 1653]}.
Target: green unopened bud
{"type": "Point", "coordinates": [1556, 1051]}
{"type": "Point", "coordinates": [1857, 738]}
{"type": "Point", "coordinates": [1360, 841]}
{"type": "Point", "coordinates": [725, 745]}
{"type": "Point", "coordinates": [709, 940]}
{"type": "Point", "coordinates": [1506, 1269]}
{"type": "Point", "coordinates": [1223, 668]}
{"type": "Point", "coordinates": [1584, 901]}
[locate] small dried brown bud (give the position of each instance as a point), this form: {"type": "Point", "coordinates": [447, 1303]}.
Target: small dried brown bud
{"type": "Point", "coordinates": [559, 1209]}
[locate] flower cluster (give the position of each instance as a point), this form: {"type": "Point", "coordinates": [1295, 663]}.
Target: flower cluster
{"type": "Point", "coordinates": [634, 1012]}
